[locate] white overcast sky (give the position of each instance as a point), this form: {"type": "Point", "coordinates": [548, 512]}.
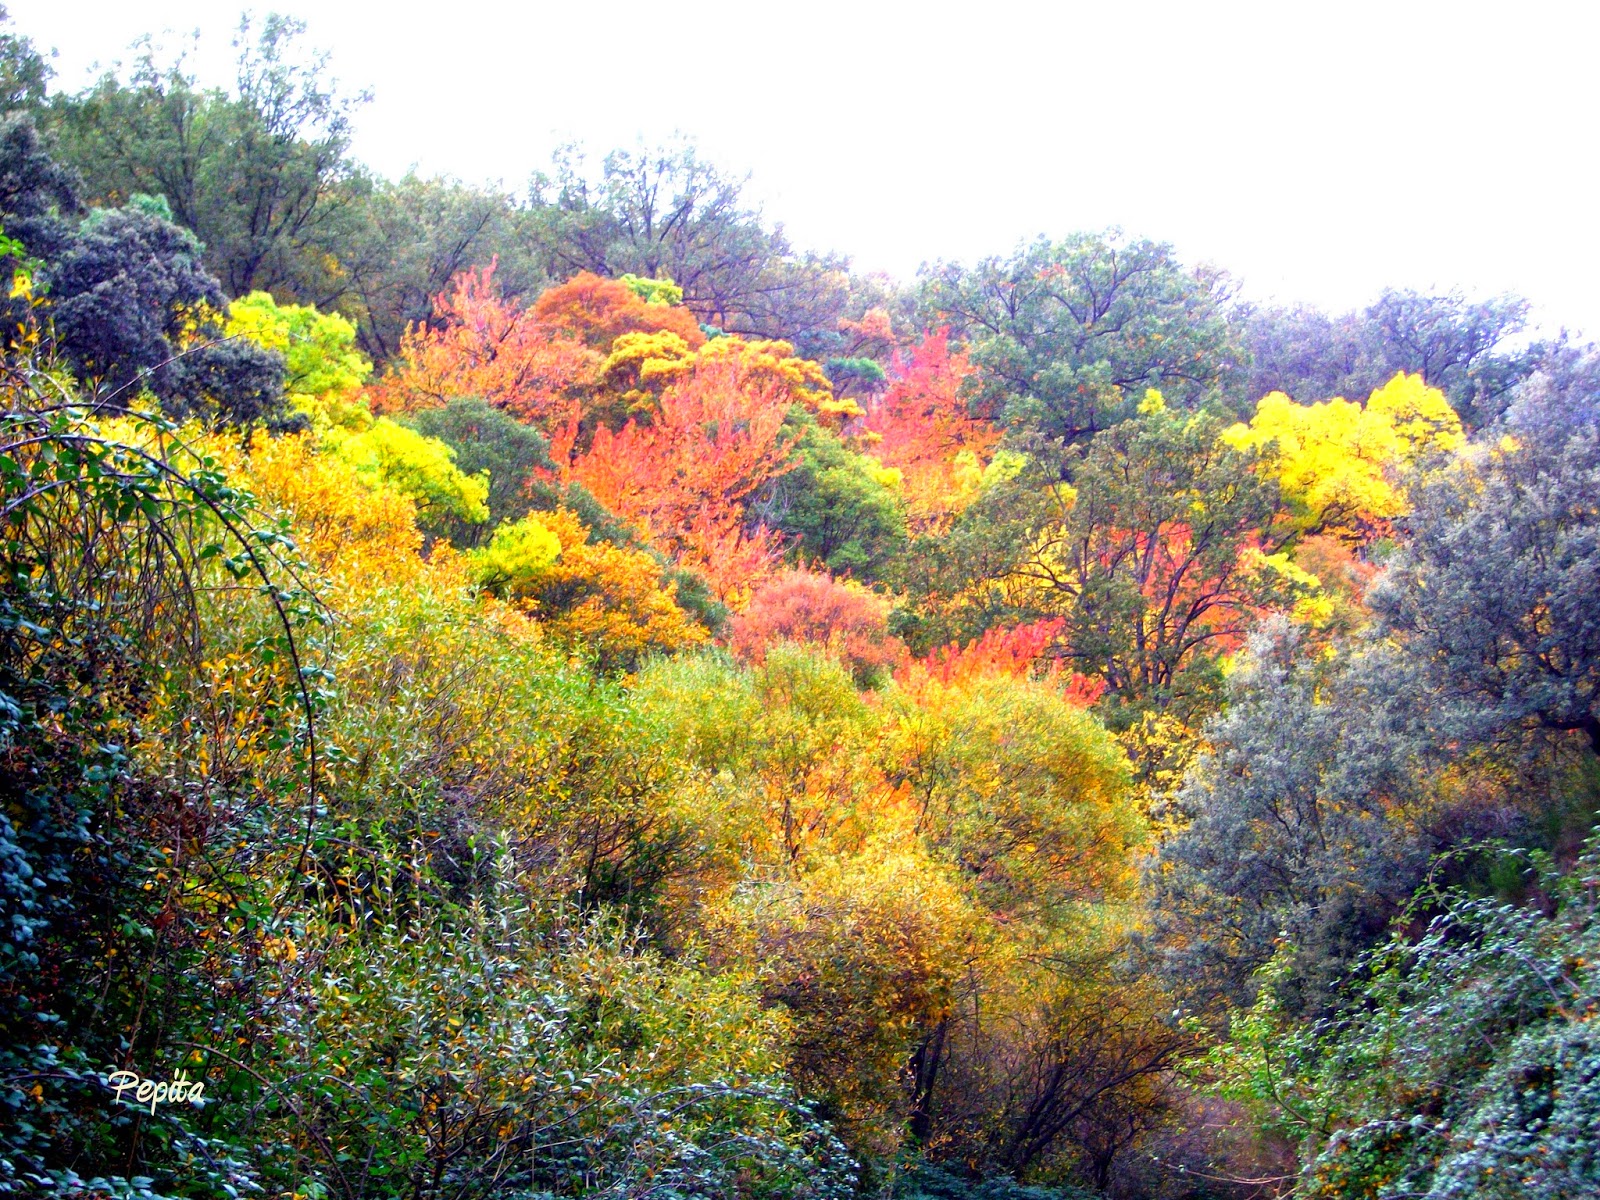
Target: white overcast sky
{"type": "Point", "coordinates": [1318, 151]}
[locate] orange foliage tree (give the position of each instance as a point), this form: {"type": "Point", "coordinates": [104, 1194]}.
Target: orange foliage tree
{"type": "Point", "coordinates": [483, 345]}
{"type": "Point", "coordinates": [596, 311]}
{"type": "Point", "coordinates": [873, 335]}
{"type": "Point", "coordinates": [682, 479]}
{"type": "Point", "coordinates": [1020, 652]}
{"type": "Point", "coordinates": [607, 598]}
{"type": "Point", "coordinates": [922, 427]}
{"type": "Point", "coordinates": [588, 352]}
{"type": "Point", "coordinates": [668, 430]}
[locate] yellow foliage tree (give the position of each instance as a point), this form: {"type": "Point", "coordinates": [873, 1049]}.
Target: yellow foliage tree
{"type": "Point", "coordinates": [642, 365]}
{"type": "Point", "coordinates": [348, 524]}
{"type": "Point", "coordinates": [865, 953]}
{"type": "Point", "coordinates": [423, 468]}
{"type": "Point", "coordinates": [1020, 789]}
{"type": "Point", "coordinates": [776, 362]}
{"type": "Point", "coordinates": [1339, 463]}
{"type": "Point", "coordinates": [595, 594]}
{"type": "Point", "coordinates": [639, 366]}
{"type": "Point", "coordinates": [324, 373]}
{"type": "Point", "coordinates": [322, 367]}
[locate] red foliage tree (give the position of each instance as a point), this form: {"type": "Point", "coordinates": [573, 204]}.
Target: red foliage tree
{"type": "Point", "coordinates": [1017, 652]}
{"type": "Point", "coordinates": [801, 606]}
{"type": "Point", "coordinates": [682, 479]}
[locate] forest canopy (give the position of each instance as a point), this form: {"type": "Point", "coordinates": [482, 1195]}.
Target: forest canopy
{"type": "Point", "coordinates": [565, 693]}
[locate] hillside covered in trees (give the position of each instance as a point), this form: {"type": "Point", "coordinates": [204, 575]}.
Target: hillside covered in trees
{"type": "Point", "coordinates": [566, 693]}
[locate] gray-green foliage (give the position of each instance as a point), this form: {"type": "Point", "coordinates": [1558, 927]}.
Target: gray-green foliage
{"type": "Point", "coordinates": [1467, 1064]}
{"type": "Point", "coordinates": [1309, 816]}
{"type": "Point", "coordinates": [259, 172]}
{"type": "Point", "coordinates": [1497, 592]}
{"type": "Point", "coordinates": [1069, 335]}
{"type": "Point", "coordinates": [24, 73]}
{"type": "Point", "coordinates": [486, 439]}
{"type": "Point", "coordinates": [1456, 344]}
{"type": "Point", "coordinates": [667, 213]}
{"type": "Point", "coordinates": [123, 294]}
{"type": "Point", "coordinates": [132, 307]}
{"type": "Point", "coordinates": [38, 196]}
{"type": "Point", "coordinates": [1327, 786]}
{"type": "Point", "coordinates": [933, 1183]}
{"type": "Point", "coordinates": [410, 238]}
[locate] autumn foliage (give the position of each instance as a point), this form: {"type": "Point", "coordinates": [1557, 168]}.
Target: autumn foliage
{"type": "Point", "coordinates": [846, 619]}
{"type": "Point", "coordinates": [1340, 464]}
{"type": "Point", "coordinates": [669, 431]}
{"type": "Point", "coordinates": [680, 480]}
{"type": "Point", "coordinates": [482, 344]}
{"type": "Point", "coordinates": [596, 311]}
{"type": "Point", "coordinates": [885, 847]}
{"type": "Point", "coordinates": [588, 593]}
{"type": "Point", "coordinates": [922, 427]}
{"type": "Point", "coordinates": [1020, 652]}
{"type": "Point", "coordinates": [348, 524]}
{"type": "Point", "coordinates": [538, 744]}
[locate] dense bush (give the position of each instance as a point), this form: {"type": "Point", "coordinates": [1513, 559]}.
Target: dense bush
{"type": "Point", "coordinates": [681, 720]}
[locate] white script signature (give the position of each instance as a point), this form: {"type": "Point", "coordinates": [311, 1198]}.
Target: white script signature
{"type": "Point", "coordinates": [147, 1091]}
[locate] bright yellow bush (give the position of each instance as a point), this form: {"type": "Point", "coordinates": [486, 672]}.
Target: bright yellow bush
{"type": "Point", "coordinates": [423, 468]}
{"type": "Point", "coordinates": [1422, 416]}
{"type": "Point", "coordinates": [343, 520]}
{"type": "Point", "coordinates": [1340, 463]}
{"type": "Point", "coordinates": [516, 556]}
{"type": "Point", "coordinates": [607, 598]}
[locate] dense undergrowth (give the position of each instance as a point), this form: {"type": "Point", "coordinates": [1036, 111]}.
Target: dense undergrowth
{"type": "Point", "coordinates": [530, 727]}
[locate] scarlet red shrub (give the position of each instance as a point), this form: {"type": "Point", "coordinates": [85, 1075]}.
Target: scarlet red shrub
{"type": "Point", "coordinates": [1017, 652]}
{"type": "Point", "coordinates": [801, 606]}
